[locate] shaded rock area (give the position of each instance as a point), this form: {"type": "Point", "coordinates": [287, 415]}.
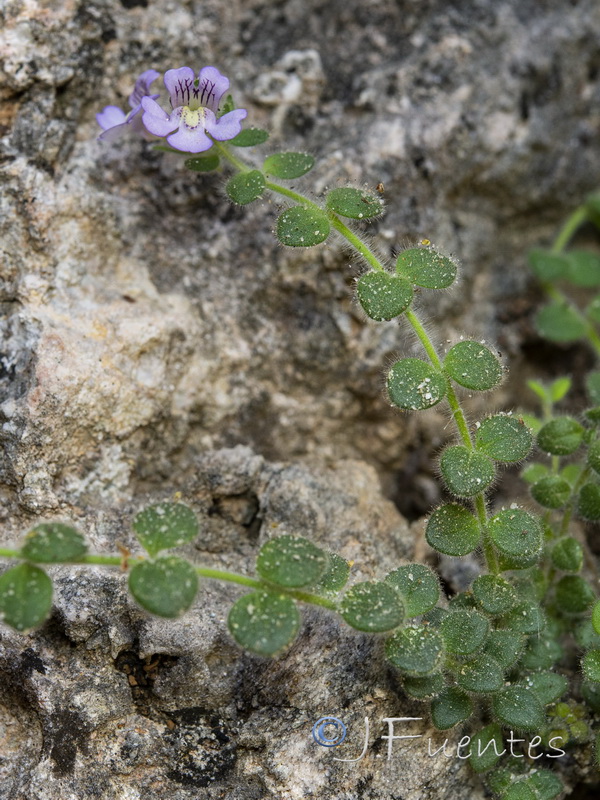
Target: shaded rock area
{"type": "Point", "coordinates": [156, 339]}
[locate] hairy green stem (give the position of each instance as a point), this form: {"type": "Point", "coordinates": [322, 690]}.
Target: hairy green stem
{"type": "Point", "coordinates": [568, 230]}
{"type": "Point", "coordinates": [255, 583]}
{"type": "Point", "coordinates": [204, 572]}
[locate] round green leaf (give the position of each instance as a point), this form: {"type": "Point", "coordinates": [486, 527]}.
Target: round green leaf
{"type": "Point", "coordinates": [418, 587]}
{"type": "Point", "coordinates": [494, 594]}
{"type": "Point", "coordinates": [165, 525]}
{"type": "Point", "coordinates": [249, 137]}
{"type": "Point", "coordinates": [245, 187]}
{"type": "Point", "coordinates": [592, 310]}
{"type": "Point", "coordinates": [484, 755]}
{"type": "Point", "coordinates": [532, 585]}
{"type": "Point", "coordinates": [585, 635]}
{"type": "Point", "coordinates": [464, 632]}
{"type": "Point", "coordinates": [574, 595]}
{"type": "Point", "coordinates": [336, 575]}
{"type": "Point", "coordinates": [592, 386]}
{"type": "Point", "coordinates": [505, 646]}
{"type": "Point", "coordinates": [425, 267]}
{"type": "Point", "coordinates": [518, 708]}
{"type": "Point", "coordinates": [372, 606]}
{"type": "Point", "coordinates": [450, 708]}
{"type": "Point", "coordinates": [542, 652]}
{"type": "Point", "coordinates": [414, 385]}
{"type": "Point", "coordinates": [288, 165]}
{"type": "Point", "coordinates": [583, 268]}
{"type": "Point", "coordinates": [500, 779]}
{"type": "Point", "coordinates": [291, 561]}
{"type": "Point", "coordinates": [466, 472]}
{"type": "Point", "coordinates": [567, 554]}
{"type": "Point", "coordinates": [592, 203]}
{"type": "Point", "coordinates": [546, 784]}
{"type": "Point", "coordinates": [590, 664]}
{"type": "Point", "coordinates": [202, 163]}
{"type": "Point", "coordinates": [453, 530]}
{"type": "Point", "coordinates": [559, 389]}
{"type": "Point", "coordinates": [596, 617]}
{"type": "Point", "coordinates": [548, 266]}
{"type": "Point", "coordinates": [435, 616]}
{"type": "Point", "coordinates": [354, 203]}
{"type": "Point", "coordinates": [594, 456]}
{"type": "Point", "coordinates": [571, 473]}
{"type": "Point", "coordinates": [424, 688]}
{"type": "Point", "coordinates": [519, 791]}
{"type": "Point", "coordinates": [516, 534]}
{"type": "Point", "coordinates": [463, 601]}
{"type": "Point", "coordinates": [548, 687]}
{"type": "Point", "coordinates": [591, 694]}
{"type": "Point", "coordinates": [53, 542]}
{"type": "Point", "coordinates": [25, 597]}
{"type": "Point", "coordinates": [481, 675]}
{"type": "Point", "coordinates": [504, 438]}
{"type": "Point", "coordinates": [383, 296]}
{"type": "Point", "coordinates": [589, 502]}
{"type": "Point", "coordinates": [534, 473]}
{"type": "Point", "coordinates": [165, 587]}
{"type": "Point", "coordinates": [552, 491]}
{"type": "Point", "coordinates": [302, 227]}
{"type": "Point", "coordinates": [561, 436]}
{"type": "Point", "coordinates": [507, 563]}
{"type": "Point", "coordinates": [560, 322]}
{"type": "Point", "coordinates": [416, 650]}
{"type": "Point", "coordinates": [473, 366]}
{"type": "Point", "coordinates": [526, 617]}
{"type": "Point", "coordinates": [263, 622]}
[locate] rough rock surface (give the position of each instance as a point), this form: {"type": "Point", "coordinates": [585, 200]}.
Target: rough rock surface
{"type": "Point", "coordinates": [147, 324]}
{"type": "Point", "coordinates": [104, 701]}
{"type": "Point", "coordinates": [146, 319]}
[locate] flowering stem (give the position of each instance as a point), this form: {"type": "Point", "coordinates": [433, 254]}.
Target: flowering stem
{"type": "Point", "coordinates": [374, 262]}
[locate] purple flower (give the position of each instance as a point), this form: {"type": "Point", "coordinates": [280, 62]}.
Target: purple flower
{"type": "Point", "coordinates": [114, 121]}
{"type": "Point", "coordinates": [195, 104]}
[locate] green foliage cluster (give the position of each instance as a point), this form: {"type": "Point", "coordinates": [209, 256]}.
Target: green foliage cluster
{"type": "Point", "coordinates": [498, 654]}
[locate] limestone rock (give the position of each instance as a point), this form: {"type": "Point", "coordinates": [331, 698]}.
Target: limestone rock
{"type": "Point", "coordinates": [150, 331]}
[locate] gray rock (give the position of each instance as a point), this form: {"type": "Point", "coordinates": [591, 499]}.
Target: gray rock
{"type": "Point", "coordinates": [145, 321]}
{"type": "Point", "coordinates": [118, 704]}
{"type": "Point", "coordinates": [156, 340]}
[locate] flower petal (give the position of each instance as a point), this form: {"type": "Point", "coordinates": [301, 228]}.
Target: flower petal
{"type": "Point", "coordinates": [189, 140]}
{"type": "Point", "coordinates": [228, 126]}
{"type": "Point", "coordinates": [156, 120]}
{"type": "Point", "coordinates": [212, 87]}
{"type": "Point", "coordinates": [142, 87]}
{"type": "Point", "coordinates": [110, 116]}
{"type": "Point", "coordinates": [180, 85]}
